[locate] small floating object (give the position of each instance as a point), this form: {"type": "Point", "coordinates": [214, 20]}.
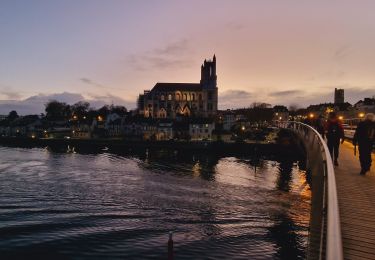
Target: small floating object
{"type": "Point", "coordinates": [170, 246]}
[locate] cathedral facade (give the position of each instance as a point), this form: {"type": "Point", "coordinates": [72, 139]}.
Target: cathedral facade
{"type": "Point", "coordinates": [169, 100]}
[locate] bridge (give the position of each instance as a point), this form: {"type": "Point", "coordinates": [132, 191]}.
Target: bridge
{"type": "Point", "coordinates": [342, 222]}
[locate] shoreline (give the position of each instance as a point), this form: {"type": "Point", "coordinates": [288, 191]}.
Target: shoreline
{"type": "Point", "coordinates": [120, 145]}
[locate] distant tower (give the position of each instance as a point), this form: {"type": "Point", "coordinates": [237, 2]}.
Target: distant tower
{"type": "Point", "coordinates": [209, 87]}
{"type": "Point", "coordinates": [339, 96]}
{"type": "Point", "coordinates": [208, 74]}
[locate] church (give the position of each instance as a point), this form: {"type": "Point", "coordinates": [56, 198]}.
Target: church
{"type": "Point", "coordinates": [169, 100]}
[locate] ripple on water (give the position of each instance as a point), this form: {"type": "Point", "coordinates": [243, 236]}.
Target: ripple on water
{"type": "Point", "coordinates": [56, 205]}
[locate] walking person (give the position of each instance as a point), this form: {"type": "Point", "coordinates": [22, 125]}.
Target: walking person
{"type": "Point", "coordinates": [335, 132]}
{"type": "Point", "coordinates": [364, 136]}
{"type": "Point", "coordinates": [320, 126]}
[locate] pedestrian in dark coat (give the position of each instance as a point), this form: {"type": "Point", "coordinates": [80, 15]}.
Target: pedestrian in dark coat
{"type": "Point", "coordinates": [364, 136]}
{"type": "Point", "coordinates": [320, 126]}
{"type": "Point", "coordinates": [334, 132]}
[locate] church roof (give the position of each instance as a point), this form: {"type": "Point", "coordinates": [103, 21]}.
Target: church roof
{"type": "Point", "coordinates": [177, 86]}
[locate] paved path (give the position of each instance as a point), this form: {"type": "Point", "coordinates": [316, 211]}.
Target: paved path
{"type": "Point", "coordinates": [356, 196]}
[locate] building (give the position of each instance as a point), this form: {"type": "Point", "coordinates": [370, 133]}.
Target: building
{"type": "Point", "coordinates": [201, 129]}
{"type": "Point", "coordinates": [339, 96]}
{"type": "Point", "coordinates": [170, 100]}
{"type": "Point", "coordinates": [366, 106]}
{"type": "Point", "coordinates": [229, 120]}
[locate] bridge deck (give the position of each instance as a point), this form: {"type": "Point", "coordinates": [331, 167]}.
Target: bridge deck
{"type": "Point", "coordinates": [356, 196]}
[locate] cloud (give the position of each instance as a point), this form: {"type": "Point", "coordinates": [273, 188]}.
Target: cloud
{"type": "Point", "coordinates": [301, 98]}
{"type": "Point", "coordinates": [325, 95]}
{"type": "Point", "coordinates": [98, 101]}
{"type": "Point", "coordinates": [235, 26]}
{"type": "Point", "coordinates": [234, 99]}
{"type": "Point", "coordinates": [170, 56]}
{"type": "Point", "coordinates": [286, 93]}
{"type": "Point", "coordinates": [35, 104]}
{"type": "Point", "coordinates": [342, 52]}
{"type": "Point", "coordinates": [9, 94]}
{"type": "Point", "coordinates": [354, 94]}
{"type": "Point", "coordinates": [91, 82]}
{"type": "Point", "coordinates": [174, 48]}
{"type": "Point", "coordinates": [96, 84]}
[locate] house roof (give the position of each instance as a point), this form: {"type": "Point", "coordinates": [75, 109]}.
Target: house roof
{"type": "Point", "coordinates": [177, 86]}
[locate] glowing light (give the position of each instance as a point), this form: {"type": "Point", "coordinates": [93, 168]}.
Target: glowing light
{"type": "Point", "coordinates": [33, 136]}
{"type": "Point", "coordinates": [361, 115]}
{"type": "Point", "coordinates": [100, 118]}
{"type": "Point", "coordinates": [74, 117]}
{"type": "Point", "coordinates": [280, 118]}
{"type": "Point", "coordinates": [311, 115]}
{"type": "Point", "coordinates": [243, 128]}
{"type": "Point", "coordinates": [341, 117]}
{"type": "Point", "coordinates": [84, 117]}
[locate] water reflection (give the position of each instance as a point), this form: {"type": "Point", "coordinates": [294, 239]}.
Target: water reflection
{"type": "Point", "coordinates": [284, 168]}
{"type": "Point", "coordinates": [123, 204]}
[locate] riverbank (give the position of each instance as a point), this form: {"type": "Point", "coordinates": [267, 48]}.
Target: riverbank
{"type": "Point", "coordinates": [118, 145]}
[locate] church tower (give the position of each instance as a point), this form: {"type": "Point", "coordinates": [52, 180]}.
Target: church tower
{"type": "Point", "coordinates": [209, 86]}
{"type": "Point", "coordinates": [208, 74]}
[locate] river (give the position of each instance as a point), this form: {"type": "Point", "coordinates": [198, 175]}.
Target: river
{"type": "Point", "coordinates": [67, 205]}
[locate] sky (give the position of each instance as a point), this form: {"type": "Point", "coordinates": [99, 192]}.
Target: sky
{"type": "Point", "coordinates": [290, 52]}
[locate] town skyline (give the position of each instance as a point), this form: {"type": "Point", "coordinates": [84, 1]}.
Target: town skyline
{"type": "Point", "coordinates": [109, 53]}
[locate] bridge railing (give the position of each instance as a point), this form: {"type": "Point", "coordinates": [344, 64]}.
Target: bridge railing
{"type": "Point", "coordinates": [325, 231]}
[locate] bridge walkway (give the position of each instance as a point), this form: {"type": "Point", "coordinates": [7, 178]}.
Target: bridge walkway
{"type": "Point", "coordinates": [356, 198]}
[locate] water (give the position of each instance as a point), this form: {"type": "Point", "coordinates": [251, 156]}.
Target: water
{"type": "Point", "coordinates": [77, 206]}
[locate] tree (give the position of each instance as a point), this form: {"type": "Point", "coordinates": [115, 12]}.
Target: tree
{"type": "Point", "coordinates": [120, 110]}
{"type": "Point", "coordinates": [80, 109]}
{"type": "Point", "coordinates": [56, 110]}
{"type": "Point", "coordinates": [12, 115]}
{"type": "Point", "coordinates": [280, 108]}
{"type": "Point", "coordinates": [104, 110]}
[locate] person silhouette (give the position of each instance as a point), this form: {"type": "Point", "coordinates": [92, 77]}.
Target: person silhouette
{"type": "Point", "coordinates": [334, 132]}
{"type": "Point", "coordinates": [364, 136]}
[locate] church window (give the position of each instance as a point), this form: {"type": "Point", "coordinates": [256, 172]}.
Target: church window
{"type": "Point", "coordinates": [169, 97]}
{"type": "Point", "coordinates": [185, 96]}
{"type": "Point", "coordinates": [162, 98]}
{"type": "Point", "coordinates": [178, 97]}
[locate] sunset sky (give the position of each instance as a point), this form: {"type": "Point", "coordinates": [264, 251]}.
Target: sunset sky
{"type": "Point", "coordinates": [280, 52]}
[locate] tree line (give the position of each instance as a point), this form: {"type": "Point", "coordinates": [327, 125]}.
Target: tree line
{"type": "Point", "coordinates": [61, 111]}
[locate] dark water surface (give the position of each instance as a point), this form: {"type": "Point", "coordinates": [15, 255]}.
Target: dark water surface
{"type": "Point", "coordinates": [78, 206]}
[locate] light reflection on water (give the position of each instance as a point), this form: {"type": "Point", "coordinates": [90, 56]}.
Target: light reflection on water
{"type": "Point", "coordinates": [71, 205]}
